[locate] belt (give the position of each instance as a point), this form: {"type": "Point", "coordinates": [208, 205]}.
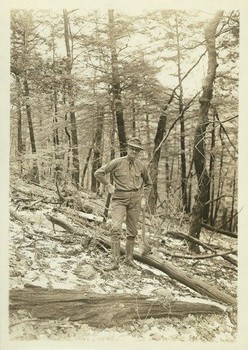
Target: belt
{"type": "Point", "coordinates": [134, 190]}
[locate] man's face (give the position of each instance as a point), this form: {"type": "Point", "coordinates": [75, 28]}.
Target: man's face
{"type": "Point", "coordinates": [133, 152]}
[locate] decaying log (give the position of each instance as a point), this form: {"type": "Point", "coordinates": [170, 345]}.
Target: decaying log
{"type": "Point", "coordinates": [182, 235]}
{"type": "Point", "coordinates": [100, 310]}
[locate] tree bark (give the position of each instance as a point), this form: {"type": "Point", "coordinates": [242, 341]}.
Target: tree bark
{"type": "Point", "coordinates": [20, 145]}
{"type": "Point", "coordinates": [112, 155]}
{"type": "Point", "coordinates": [100, 310]}
{"type": "Point", "coordinates": [97, 161]}
{"type": "Point", "coordinates": [153, 165]}
{"type": "Point", "coordinates": [86, 166]}
{"type": "Point", "coordinates": [211, 171]}
{"type": "Point", "coordinates": [74, 137]}
{"type": "Point", "coordinates": [35, 169]}
{"type": "Point", "coordinates": [182, 127]}
{"type": "Point", "coordinates": [116, 86]}
{"type": "Point", "coordinates": [201, 209]}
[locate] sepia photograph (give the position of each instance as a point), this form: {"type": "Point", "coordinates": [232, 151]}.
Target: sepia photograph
{"type": "Point", "coordinates": [122, 188]}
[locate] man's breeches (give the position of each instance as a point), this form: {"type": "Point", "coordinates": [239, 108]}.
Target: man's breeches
{"type": "Point", "coordinates": [125, 205]}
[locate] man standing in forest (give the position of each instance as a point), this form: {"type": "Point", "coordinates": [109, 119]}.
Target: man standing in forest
{"type": "Point", "coordinates": [130, 191]}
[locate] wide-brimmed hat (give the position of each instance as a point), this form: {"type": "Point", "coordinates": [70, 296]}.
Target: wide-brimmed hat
{"type": "Point", "coordinates": [135, 142]}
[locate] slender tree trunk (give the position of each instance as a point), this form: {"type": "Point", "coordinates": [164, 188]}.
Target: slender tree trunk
{"type": "Point", "coordinates": [200, 212]}
{"type": "Point", "coordinates": [153, 166]}
{"type": "Point", "coordinates": [154, 163]}
{"type": "Point", "coordinates": [74, 138]}
{"type": "Point", "coordinates": [182, 127]}
{"type": "Point", "coordinates": [116, 86]}
{"type": "Point", "coordinates": [231, 228]}
{"type": "Point", "coordinates": [97, 161]}
{"type": "Point", "coordinates": [112, 155]}
{"type": "Point", "coordinates": [167, 177]}
{"type": "Point", "coordinates": [86, 166]}
{"type": "Point", "coordinates": [211, 172]}
{"type": "Point", "coordinates": [57, 153]}
{"type": "Point", "coordinates": [148, 135]}
{"type": "Point", "coordinates": [133, 119]}
{"type": "Point", "coordinates": [20, 144]}
{"type": "Point", "coordinates": [55, 119]}
{"type": "Point", "coordinates": [35, 170]}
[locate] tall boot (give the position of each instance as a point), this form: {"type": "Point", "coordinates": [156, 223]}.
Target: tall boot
{"type": "Point", "coordinates": [129, 252]}
{"type": "Point", "coordinates": [115, 250]}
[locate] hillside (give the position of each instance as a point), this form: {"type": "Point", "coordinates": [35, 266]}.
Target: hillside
{"type": "Point", "coordinates": [45, 255]}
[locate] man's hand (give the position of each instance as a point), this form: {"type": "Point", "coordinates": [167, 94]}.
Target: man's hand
{"type": "Point", "coordinates": [143, 203]}
{"type": "Point", "coordinates": [110, 188]}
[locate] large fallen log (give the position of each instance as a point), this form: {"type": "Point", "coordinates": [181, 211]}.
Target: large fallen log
{"type": "Point", "coordinates": [100, 310]}
{"type": "Point", "coordinates": [179, 275]}
{"type": "Point", "coordinates": [175, 273]}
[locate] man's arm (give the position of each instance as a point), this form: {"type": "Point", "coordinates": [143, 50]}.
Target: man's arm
{"type": "Point", "coordinates": [101, 173]}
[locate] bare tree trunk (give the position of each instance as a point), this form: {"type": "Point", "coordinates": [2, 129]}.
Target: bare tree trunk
{"type": "Point", "coordinates": [97, 161]}
{"type": "Point", "coordinates": [86, 166]}
{"type": "Point", "coordinates": [231, 228]}
{"type": "Point", "coordinates": [182, 127]}
{"type": "Point", "coordinates": [74, 138]}
{"type": "Point", "coordinates": [57, 153]}
{"type": "Point", "coordinates": [220, 185]}
{"type": "Point", "coordinates": [201, 210]}
{"type": "Point", "coordinates": [153, 166]}
{"type": "Point", "coordinates": [148, 134]}
{"type": "Point", "coordinates": [112, 155]}
{"type": "Point", "coordinates": [35, 170]}
{"type": "Point", "coordinates": [116, 86]}
{"type": "Point", "coordinates": [133, 119]}
{"type": "Point", "coordinates": [211, 172]}
{"type": "Point", "coordinates": [20, 144]}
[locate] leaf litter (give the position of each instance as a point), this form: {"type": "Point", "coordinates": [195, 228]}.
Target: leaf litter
{"type": "Point", "coordinates": [38, 260]}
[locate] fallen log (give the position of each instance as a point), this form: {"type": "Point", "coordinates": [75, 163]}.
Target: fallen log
{"type": "Point", "coordinates": [173, 272]}
{"type": "Point", "coordinates": [182, 235]}
{"type": "Point", "coordinates": [219, 230]}
{"type": "Point", "coordinates": [179, 275]}
{"type": "Point", "coordinates": [65, 225]}
{"type": "Point", "coordinates": [198, 256]}
{"type": "Point", "coordinates": [101, 310]}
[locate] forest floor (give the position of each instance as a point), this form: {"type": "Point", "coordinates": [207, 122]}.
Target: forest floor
{"type": "Point", "coordinates": [49, 257]}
